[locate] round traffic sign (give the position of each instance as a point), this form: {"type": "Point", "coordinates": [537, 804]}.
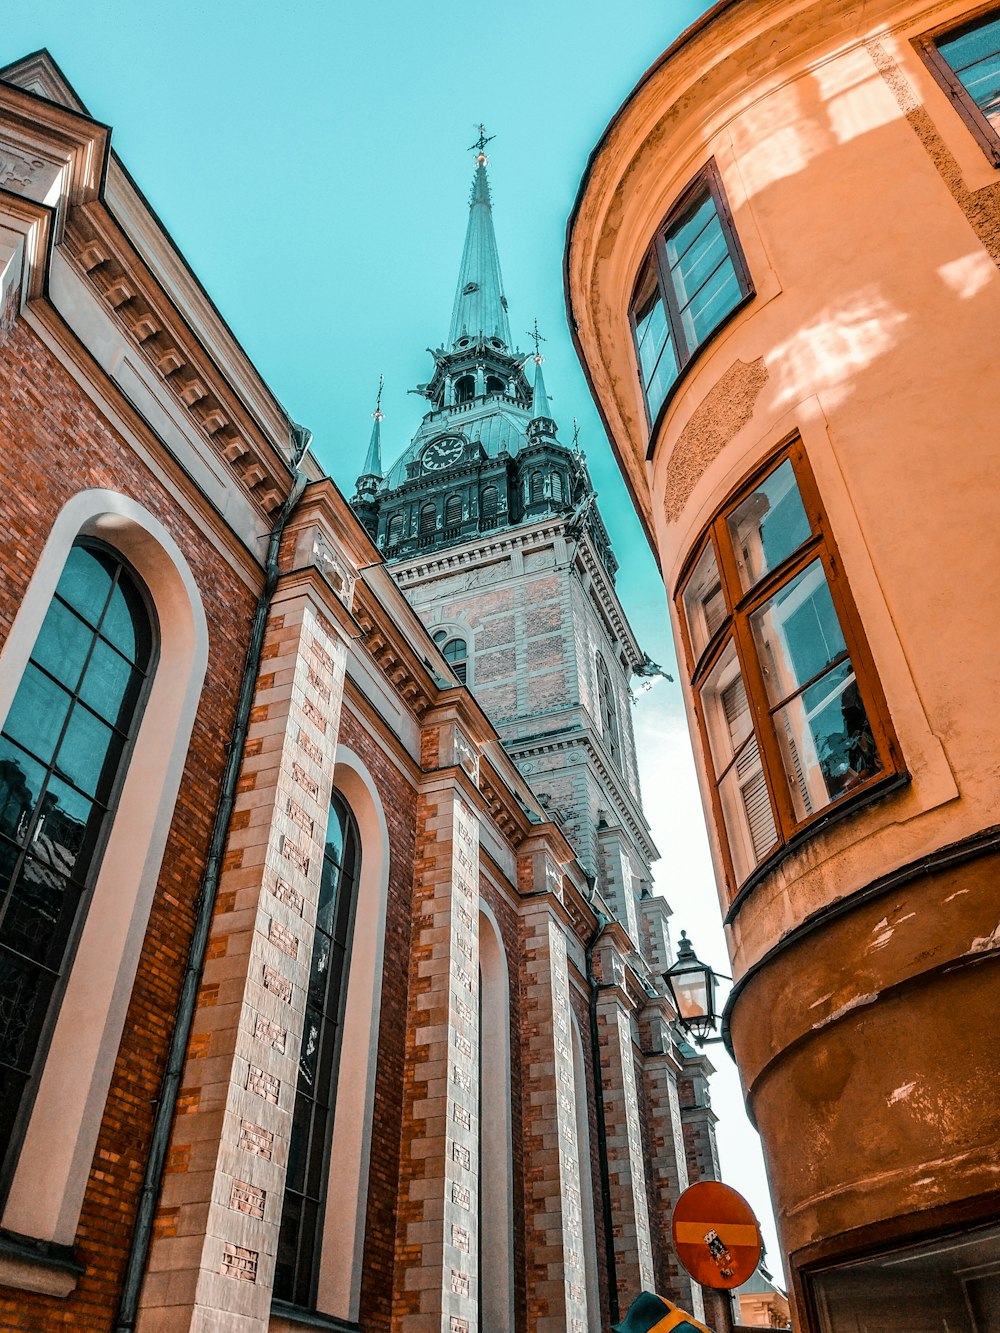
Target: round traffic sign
{"type": "Point", "coordinates": [716, 1236]}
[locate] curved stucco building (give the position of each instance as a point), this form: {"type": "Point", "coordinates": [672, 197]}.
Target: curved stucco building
{"type": "Point", "coordinates": [782, 276]}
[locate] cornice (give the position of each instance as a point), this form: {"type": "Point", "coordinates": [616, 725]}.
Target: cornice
{"type": "Point", "coordinates": [126, 288]}
{"type": "Point", "coordinates": [586, 739]}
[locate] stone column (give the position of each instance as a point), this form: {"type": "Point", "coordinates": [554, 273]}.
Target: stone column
{"type": "Point", "coordinates": [626, 1165]}
{"type": "Point", "coordinates": [437, 1251]}
{"type": "Point", "coordinates": [212, 1261]}
{"type": "Point", "coordinates": [557, 1292]}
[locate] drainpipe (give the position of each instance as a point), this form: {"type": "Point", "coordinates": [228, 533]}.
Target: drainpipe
{"type": "Point", "coordinates": [135, 1265]}
{"type": "Point", "coordinates": [602, 1137]}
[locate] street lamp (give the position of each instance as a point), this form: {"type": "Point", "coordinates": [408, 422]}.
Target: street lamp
{"type": "Point", "coordinates": [692, 988]}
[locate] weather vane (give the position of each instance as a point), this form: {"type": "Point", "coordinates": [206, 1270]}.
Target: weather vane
{"type": "Point", "coordinates": [480, 146]}
{"type": "Point", "coordinates": [576, 437]}
{"type": "Point", "coordinates": [377, 414]}
{"type": "Point", "coordinates": [536, 338]}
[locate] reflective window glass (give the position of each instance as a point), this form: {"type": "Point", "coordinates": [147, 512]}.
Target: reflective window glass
{"type": "Point", "coordinates": [769, 525]}
{"type": "Point", "coordinates": [60, 765]}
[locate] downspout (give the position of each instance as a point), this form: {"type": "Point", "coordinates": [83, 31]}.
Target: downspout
{"type": "Point", "coordinates": [602, 1137]}
{"type": "Point", "coordinates": [135, 1265]}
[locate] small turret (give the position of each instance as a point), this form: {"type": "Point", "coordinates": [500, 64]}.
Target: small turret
{"type": "Point", "coordinates": [366, 499]}
{"type": "Point", "coordinates": [542, 424]}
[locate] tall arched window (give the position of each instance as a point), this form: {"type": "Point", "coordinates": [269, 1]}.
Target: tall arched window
{"type": "Point", "coordinates": [536, 488]}
{"type": "Point", "coordinates": [557, 487]}
{"type": "Point", "coordinates": [489, 502]}
{"type": "Point", "coordinates": [495, 385]}
{"type": "Point", "coordinates": [394, 532]}
{"type": "Point", "coordinates": [63, 754]}
{"type": "Point", "coordinates": [465, 389]}
{"type": "Point", "coordinates": [296, 1269]}
{"type": "Point", "coordinates": [453, 511]}
{"type": "Point", "coordinates": [609, 713]}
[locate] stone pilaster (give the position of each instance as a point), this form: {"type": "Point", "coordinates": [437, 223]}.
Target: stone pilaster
{"type": "Point", "coordinates": [557, 1295]}
{"type": "Point", "coordinates": [619, 880]}
{"type": "Point", "coordinates": [437, 1249]}
{"type": "Point", "coordinates": [212, 1261]}
{"type": "Point", "coordinates": [626, 1165]}
{"type": "Point", "coordinates": [654, 917]}
{"type": "Point", "coordinates": [668, 1170]}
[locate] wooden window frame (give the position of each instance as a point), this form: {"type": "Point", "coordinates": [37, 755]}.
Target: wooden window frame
{"type": "Point", "coordinates": [736, 628]}
{"type": "Point", "coordinates": [706, 182]}
{"type": "Point", "coordinates": [945, 76]}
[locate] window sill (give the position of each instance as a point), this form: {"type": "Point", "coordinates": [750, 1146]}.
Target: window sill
{"type": "Point", "coordinates": [876, 792]}
{"type": "Point", "coordinates": [38, 1266]}
{"type": "Point", "coordinates": [302, 1318]}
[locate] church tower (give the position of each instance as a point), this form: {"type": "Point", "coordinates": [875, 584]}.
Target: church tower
{"type": "Point", "coordinates": [490, 524]}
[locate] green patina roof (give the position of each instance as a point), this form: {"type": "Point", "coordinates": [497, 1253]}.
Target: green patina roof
{"type": "Point", "coordinates": [539, 398]}
{"type": "Point", "coordinates": [480, 307]}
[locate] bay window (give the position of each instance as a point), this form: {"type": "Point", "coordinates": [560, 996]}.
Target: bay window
{"type": "Point", "coordinates": [792, 718]}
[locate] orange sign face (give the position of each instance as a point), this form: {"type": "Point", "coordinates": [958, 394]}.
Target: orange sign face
{"type": "Point", "coordinates": [716, 1235]}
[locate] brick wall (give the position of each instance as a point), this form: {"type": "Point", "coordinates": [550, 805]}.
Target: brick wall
{"type": "Point", "coordinates": [55, 444]}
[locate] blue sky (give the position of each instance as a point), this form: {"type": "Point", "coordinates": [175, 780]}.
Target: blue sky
{"type": "Point", "coordinates": [309, 159]}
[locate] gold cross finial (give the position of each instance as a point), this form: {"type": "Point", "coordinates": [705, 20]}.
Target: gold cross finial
{"type": "Point", "coordinates": [537, 338]}
{"type": "Point", "coordinates": [479, 147]}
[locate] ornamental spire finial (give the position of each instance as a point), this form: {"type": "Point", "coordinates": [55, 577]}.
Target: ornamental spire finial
{"type": "Point", "coordinates": [377, 414]}
{"type": "Point", "coordinates": [479, 147]}
{"type": "Point", "coordinates": [537, 338]}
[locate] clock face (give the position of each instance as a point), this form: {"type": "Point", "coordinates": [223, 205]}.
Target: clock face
{"type": "Point", "coordinates": [443, 452]}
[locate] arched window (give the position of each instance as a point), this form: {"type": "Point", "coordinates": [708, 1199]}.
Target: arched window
{"type": "Point", "coordinates": [536, 488]}
{"type": "Point", "coordinates": [609, 713]}
{"type": "Point", "coordinates": [465, 389]}
{"type": "Point", "coordinates": [489, 500]}
{"type": "Point", "coordinates": [394, 532]}
{"type": "Point", "coordinates": [453, 511]}
{"type": "Point", "coordinates": [495, 385]}
{"type": "Point", "coordinates": [63, 754]}
{"type": "Point", "coordinates": [296, 1268]}
{"type": "Point", "coordinates": [428, 522]}
{"type": "Point", "coordinates": [455, 651]}
{"type": "Point", "coordinates": [557, 487]}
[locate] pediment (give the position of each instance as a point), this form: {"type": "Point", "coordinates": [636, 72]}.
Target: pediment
{"type": "Point", "coordinates": [38, 73]}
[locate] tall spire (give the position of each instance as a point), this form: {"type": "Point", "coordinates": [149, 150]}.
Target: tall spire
{"type": "Point", "coordinates": [540, 409]}
{"type": "Point", "coordinates": [480, 306]}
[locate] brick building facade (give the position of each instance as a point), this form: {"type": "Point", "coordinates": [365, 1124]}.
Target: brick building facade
{"type": "Point", "coordinates": [302, 982]}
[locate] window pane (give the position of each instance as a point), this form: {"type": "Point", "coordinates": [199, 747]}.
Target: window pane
{"type": "Point", "coordinates": [111, 684]}
{"type": "Point", "coordinates": [86, 582]}
{"type": "Point", "coordinates": [455, 651]}
{"type": "Point", "coordinates": [67, 828]}
{"type": "Point", "coordinates": [826, 740]}
{"type": "Point", "coordinates": [746, 808]}
{"type": "Point", "coordinates": [37, 714]}
{"type": "Point", "coordinates": [697, 266]}
{"type": "Point", "coordinates": [125, 623]}
{"type": "Point", "coordinates": [726, 709]}
{"type": "Point", "coordinates": [24, 993]}
{"type": "Point", "coordinates": [975, 58]}
{"type": "Point", "coordinates": [683, 234]}
{"type": "Point", "coordinates": [662, 378]}
{"type": "Point", "coordinates": [327, 896]}
{"type": "Point", "coordinates": [40, 914]}
{"type": "Point", "coordinates": [20, 787]}
{"type": "Point", "coordinates": [89, 753]}
{"type": "Point", "coordinates": [769, 525]}
{"type": "Point", "coordinates": [62, 644]}
{"type": "Point", "coordinates": [651, 333]}
{"type": "Point", "coordinates": [711, 305]}
{"type": "Point", "coordinates": [704, 603]}
{"type": "Point", "coordinates": [797, 633]}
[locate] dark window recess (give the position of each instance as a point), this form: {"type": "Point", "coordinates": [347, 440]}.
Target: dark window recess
{"type": "Point", "coordinates": [791, 714]}
{"type": "Point", "coordinates": [428, 522]}
{"type": "Point", "coordinates": [489, 500]}
{"type": "Point", "coordinates": [394, 532]}
{"type": "Point", "coordinates": [63, 754]}
{"type": "Point", "coordinates": [465, 389]}
{"type": "Point", "coordinates": [536, 485]}
{"type": "Point", "coordinates": [453, 511]}
{"type": "Point", "coordinates": [965, 60]}
{"type": "Point", "coordinates": [557, 487]}
{"type": "Point", "coordinates": [495, 385]}
{"type": "Point", "coordinates": [456, 653]}
{"type": "Point", "coordinates": [609, 714]}
{"type": "Point", "coordinates": [690, 282]}
{"type": "Point", "coordinates": [300, 1237]}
